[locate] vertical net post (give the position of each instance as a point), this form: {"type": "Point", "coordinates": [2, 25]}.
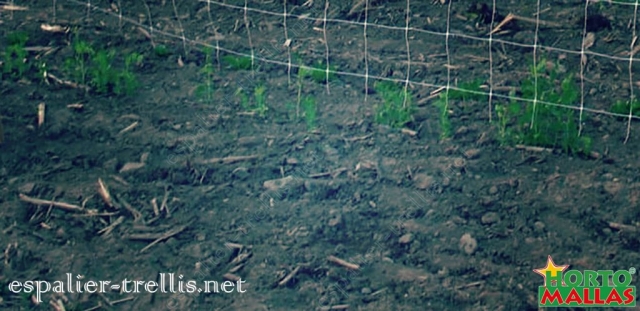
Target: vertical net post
{"type": "Point", "coordinates": [406, 40]}
{"type": "Point", "coordinates": [631, 52]}
{"type": "Point", "coordinates": [535, 67]}
{"type": "Point", "coordinates": [247, 26]}
{"type": "Point", "coordinates": [326, 43]}
{"type": "Point", "coordinates": [184, 39]}
{"type": "Point", "coordinates": [583, 63]}
{"type": "Point", "coordinates": [445, 109]}
{"type": "Point", "coordinates": [120, 15]}
{"type": "Point", "coordinates": [286, 40]}
{"type": "Point", "coordinates": [366, 56]}
{"type": "Point", "coordinates": [493, 17]}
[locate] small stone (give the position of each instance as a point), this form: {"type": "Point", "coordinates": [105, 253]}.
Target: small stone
{"type": "Point", "coordinates": [292, 161]}
{"type": "Point", "coordinates": [490, 218]}
{"type": "Point", "coordinates": [472, 153]}
{"type": "Point", "coordinates": [406, 239]}
{"type": "Point", "coordinates": [493, 190]}
{"type": "Point", "coordinates": [366, 291]}
{"type": "Point", "coordinates": [459, 163]}
{"type": "Point", "coordinates": [423, 181]}
{"type": "Point", "coordinates": [468, 244]}
{"type": "Point", "coordinates": [538, 226]}
{"type": "Point", "coordinates": [336, 221]}
{"type": "Point", "coordinates": [462, 130]}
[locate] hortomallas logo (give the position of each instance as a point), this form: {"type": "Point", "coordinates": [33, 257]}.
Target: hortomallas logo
{"type": "Point", "coordinates": [588, 288]}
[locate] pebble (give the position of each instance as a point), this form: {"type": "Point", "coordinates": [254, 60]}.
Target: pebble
{"type": "Point", "coordinates": [423, 181]}
{"type": "Point", "coordinates": [468, 244]}
{"type": "Point", "coordinates": [493, 190]}
{"type": "Point", "coordinates": [406, 239]}
{"type": "Point", "coordinates": [472, 154]}
{"type": "Point", "coordinates": [538, 225]}
{"type": "Point", "coordinates": [490, 218]}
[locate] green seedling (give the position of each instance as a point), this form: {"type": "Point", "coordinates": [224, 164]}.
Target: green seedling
{"type": "Point", "coordinates": [259, 93]}
{"type": "Point", "coordinates": [161, 50]}
{"type": "Point", "coordinates": [78, 65]}
{"type": "Point", "coordinates": [206, 90]}
{"type": "Point", "coordinates": [468, 91]}
{"type": "Point", "coordinates": [95, 68]}
{"type": "Point", "coordinates": [320, 73]}
{"type": "Point", "coordinates": [238, 62]}
{"type": "Point", "coordinates": [126, 82]}
{"type": "Point", "coordinates": [442, 103]}
{"type": "Point", "coordinates": [505, 114]}
{"type": "Point", "coordinates": [244, 99]}
{"type": "Point", "coordinates": [310, 111]}
{"type": "Point", "coordinates": [397, 107]}
{"type": "Point", "coordinates": [258, 104]}
{"type": "Point", "coordinates": [101, 73]}
{"type": "Point", "coordinates": [547, 125]}
{"type": "Point", "coordinates": [627, 107]}
{"type": "Point", "coordinates": [15, 55]}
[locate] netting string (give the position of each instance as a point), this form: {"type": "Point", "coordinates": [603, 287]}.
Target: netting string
{"type": "Point", "coordinates": [631, 52]}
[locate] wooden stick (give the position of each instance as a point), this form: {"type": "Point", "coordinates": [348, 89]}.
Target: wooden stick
{"type": "Point", "coordinates": [617, 226]}
{"type": "Point", "coordinates": [164, 237]}
{"type": "Point", "coordinates": [343, 263]}
{"type": "Point", "coordinates": [228, 160]}
{"type": "Point", "coordinates": [61, 205]}
{"type": "Point", "coordinates": [289, 276]}
{"type": "Point", "coordinates": [104, 193]}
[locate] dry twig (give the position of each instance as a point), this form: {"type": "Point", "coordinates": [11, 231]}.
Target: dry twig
{"type": "Point", "coordinates": [61, 205]}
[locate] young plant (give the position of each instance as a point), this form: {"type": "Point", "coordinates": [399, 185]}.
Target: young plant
{"type": "Point", "coordinates": [259, 93]}
{"type": "Point", "coordinates": [303, 72]}
{"type": "Point", "coordinates": [258, 104]}
{"type": "Point", "coordinates": [127, 82]}
{"type": "Point", "coordinates": [206, 90]}
{"type": "Point", "coordinates": [161, 50]}
{"type": "Point", "coordinates": [102, 74]}
{"type": "Point", "coordinates": [238, 62]}
{"type": "Point", "coordinates": [442, 103]}
{"type": "Point", "coordinates": [626, 107]}
{"type": "Point", "coordinates": [550, 126]}
{"type": "Point", "coordinates": [319, 74]}
{"type": "Point", "coordinates": [78, 65]}
{"type": "Point", "coordinates": [505, 114]}
{"type": "Point", "coordinates": [15, 55]}
{"type": "Point", "coordinates": [397, 107]}
{"type": "Point", "coordinates": [310, 110]}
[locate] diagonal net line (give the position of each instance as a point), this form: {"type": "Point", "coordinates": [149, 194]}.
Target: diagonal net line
{"type": "Point", "coordinates": [448, 34]}
{"type": "Point", "coordinates": [420, 30]}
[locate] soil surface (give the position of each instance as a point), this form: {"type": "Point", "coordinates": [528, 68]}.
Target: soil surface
{"type": "Point", "coordinates": [350, 215]}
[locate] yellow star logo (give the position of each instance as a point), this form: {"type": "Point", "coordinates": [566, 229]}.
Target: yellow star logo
{"type": "Point", "coordinates": [551, 268]}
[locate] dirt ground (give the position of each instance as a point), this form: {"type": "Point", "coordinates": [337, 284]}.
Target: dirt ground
{"type": "Point", "coordinates": [350, 216]}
